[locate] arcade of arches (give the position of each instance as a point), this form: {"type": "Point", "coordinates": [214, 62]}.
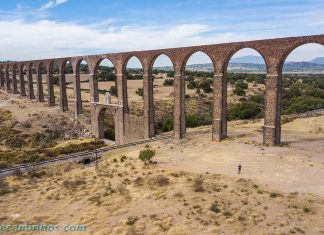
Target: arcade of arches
{"type": "Point", "coordinates": [130, 127]}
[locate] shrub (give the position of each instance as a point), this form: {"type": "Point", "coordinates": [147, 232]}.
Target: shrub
{"type": "Point", "coordinates": [239, 91]}
{"type": "Point", "coordinates": [246, 110]}
{"type": "Point", "coordinates": [192, 84]}
{"type": "Point", "coordinates": [214, 207]}
{"type": "Point", "coordinates": [190, 78]}
{"type": "Point", "coordinates": [168, 82]}
{"type": "Point", "coordinates": [258, 98]}
{"type": "Point", "coordinates": [131, 220]}
{"type": "Point", "coordinates": [3, 165]}
{"type": "Point", "coordinates": [114, 90]}
{"type": "Point", "coordinates": [205, 85]}
{"type": "Point", "coordinates": [167, 124]}
{"type": "Point", "coordinates": [69, 184]}
{"type": "Point", "coordinates": [198, 184]}
{"type": "Point", "coordinates": [146, 154]}
{"type": "Point", "coordinates": [159, 180]}
{"type": "Point", "coordinates": [192, 120]}
{"type": "Point", "coordinates": [304, 104]}
{"type": "Point", "coordinates": [55, 79]}
{"type": "Point", "coordinates": [15, 142]}
{"type": "Point", "coordinates": [140, 92]}
{"type": "Point", "coordinates": [4, 187]}
{"type": "Point", "coordinates": [170, 74]}
{"type": "Point", "coordinates": [241, 84]}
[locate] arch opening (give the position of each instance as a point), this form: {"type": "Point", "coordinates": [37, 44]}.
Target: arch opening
{"type": "Point", "coordinates": [82, 70]}
{"type": "Point", "coordinates": [55, 79]}
{"type": "Point", "coordinates": [302, 90]}
{"type": "Point", "coordinates": [43, 71]}
{"type": "Point", "coordinates": [105, 75]}
{"type": "Point", "coordinates": [162, 73]}
{"type": "Point", "coordinates": [32, 80]}
{"type": "Point", "coordinates": [135, 91]}
{"type": "Point", "coordinates": [246, 73]}
{"type": "Point", "coordinates": [107, 125]}
{"type": "Point", "coordinates": [198, 73]}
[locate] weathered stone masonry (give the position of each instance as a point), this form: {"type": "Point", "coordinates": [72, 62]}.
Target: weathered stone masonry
{"type": "Point", "coordinates": [129, 127]}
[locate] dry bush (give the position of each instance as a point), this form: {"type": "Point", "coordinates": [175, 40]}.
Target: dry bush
{"type": "Point", "coordinates": [139, 181]}
{"type": "Point", "coordinates": [198, 184]}
{"type": "Point", "coordinates": [131, 220]}
{"type": "Point", "coordinates": [4, 187]}
{"type": "Point", "coordinates": [178, 194]}
{"type": "Point", "coordinates": [3, 165]}
{"type": "Point", "coordinates": [70, 184]}
{"type": "Point", "coordinates": [159, 180]}
{"type": "Point", "coordinates": [214, 207]}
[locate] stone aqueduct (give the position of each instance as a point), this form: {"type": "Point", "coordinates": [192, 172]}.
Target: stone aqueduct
{"type": "Point", "coordinates": [129, 127]}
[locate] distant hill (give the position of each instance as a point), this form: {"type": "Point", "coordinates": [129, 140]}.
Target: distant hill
{"type": "Point", "coordinates": [317, 60]}
{"type": "Point", "coordinates": [249, 59]}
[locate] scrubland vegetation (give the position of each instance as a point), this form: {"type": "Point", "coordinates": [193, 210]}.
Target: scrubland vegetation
{"type": "Point", "coordinates": [122, 195]}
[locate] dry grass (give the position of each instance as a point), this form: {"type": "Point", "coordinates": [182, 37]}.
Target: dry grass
{"type": "Point", "coordinates": [134, 199]}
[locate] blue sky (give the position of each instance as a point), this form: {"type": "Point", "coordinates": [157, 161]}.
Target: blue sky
{"type": "Point", "coordinates": [54, 28]}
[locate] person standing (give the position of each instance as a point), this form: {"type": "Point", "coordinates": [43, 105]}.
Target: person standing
{"type": "Point", "coordinates": [239, 168]}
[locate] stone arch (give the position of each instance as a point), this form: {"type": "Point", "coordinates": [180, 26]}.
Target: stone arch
{"type": "Point", "coordinates": [99, 118]}
{"type": "Point", "coordinates": [111, 75]}
{"type": "Point", "coordinates": [126, 80]}
{"type": "Point", "coordinates": [98, 62]}
{"type": "Point", "coordinates": [294, 47]}
{"type": "Point", "coordinates": [240, 93]}
{"type": "Point", "coordinates": [64, 66]}
{"type": "Point", "coordinates": [293, 86]}
{"type": "Point", "coordinates": [230, 56]}
{"type": "Point", "coordinates": [78, 64]}
{"type": "Point", "coordinates": [155, 57]}
{"type": "Point", "coordinates": [191, 53]}
{"type": "Point", "coordinates": [128, 58]}
{"type": "Point", "coordinates": [193, 117]}
{"type": "Point", "coordinates": [155, 124]}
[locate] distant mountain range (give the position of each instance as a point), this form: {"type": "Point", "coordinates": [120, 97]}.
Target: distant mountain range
{"type": "Point", "coordinates": [255, 64]}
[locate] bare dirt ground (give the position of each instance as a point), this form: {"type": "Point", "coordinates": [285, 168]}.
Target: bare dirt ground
{"type": "Point", "coordinates": [193, 189]}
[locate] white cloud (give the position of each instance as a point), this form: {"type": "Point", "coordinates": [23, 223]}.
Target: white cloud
{"type": "Point", "coordinates": [48, 39]}
{"type": "Point", "coordinates": [51, 4]}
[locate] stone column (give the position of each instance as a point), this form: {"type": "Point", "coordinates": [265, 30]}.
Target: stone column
{"type": "Point", "coordinates": [122, 110]}
{"type": "Point", "coordinates": [22, 83]}
{"type": "Point", "coordinates": [31, 94]}
{"type": "Point", "coordinates": [122, 91]}
{"type": "Point", "coordinates": [179, 119]}
{"type": "Point", "coordinates": [148, 106]}
{"type": "Point", "coordinates": [272, 119]}
{"type": "Point", "coordinates": [219, 124]}
{"type": "Point", "coordinates": [40, 93]}
{"type": "Point", "coordinates": [2, 79]}
{"type": "Point", "coordinates": [14, 81]}
{"type": "Point", "coordinates": [50, 88]}
{"type": "Point", "coordinates": [7, 80]}
{"type": "Point", "coordinates": [94, 92]}
{"type": "Point", "coordinates": [63, 97]}
{"type": "Point", "coordinates": [77, 95]}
